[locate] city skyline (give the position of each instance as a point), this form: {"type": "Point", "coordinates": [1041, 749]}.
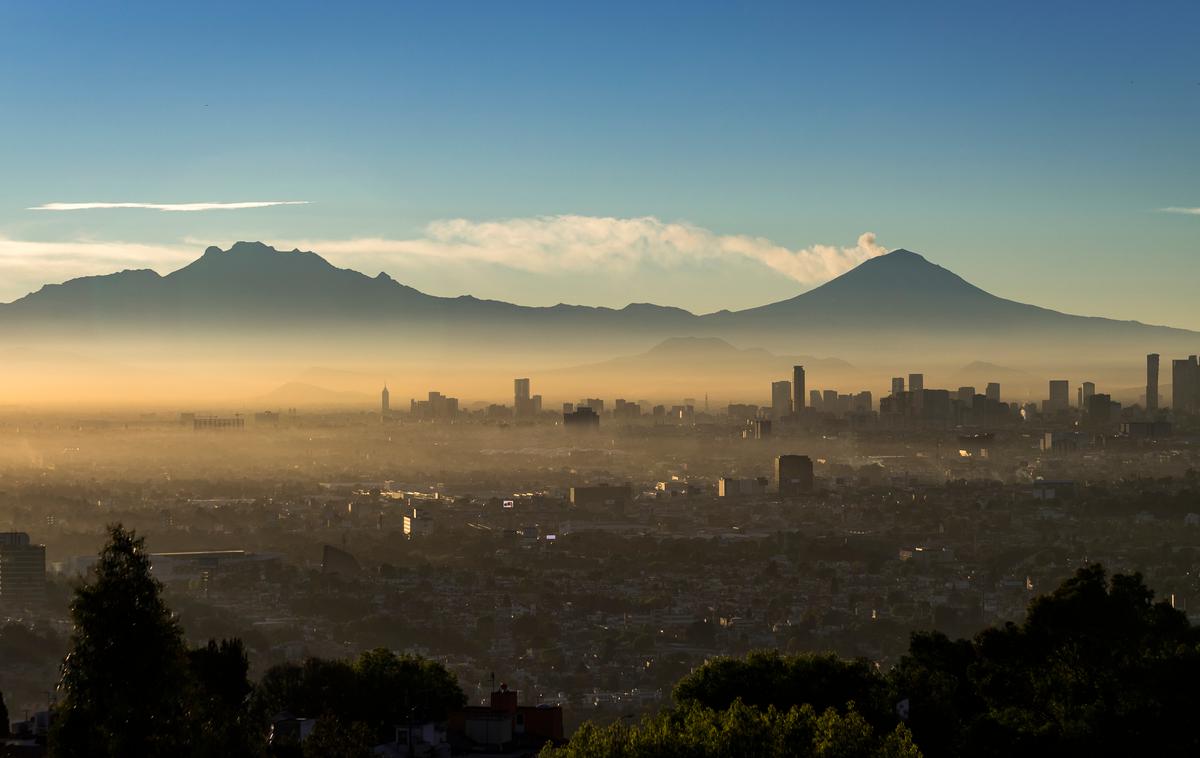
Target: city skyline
{"type": "Point", "coordinates": [604, 179]}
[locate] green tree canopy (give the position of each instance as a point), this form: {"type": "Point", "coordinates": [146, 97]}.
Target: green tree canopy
{"type": "Point", "coordinates": [694, 731]}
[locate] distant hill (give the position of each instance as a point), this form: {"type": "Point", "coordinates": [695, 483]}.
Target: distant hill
{"type": "Point", "coordinates": [301, 394]}
{"type": "Point", "coordinates": [253, 301]}
{"type": "Point", "coordinates": [685, 365]}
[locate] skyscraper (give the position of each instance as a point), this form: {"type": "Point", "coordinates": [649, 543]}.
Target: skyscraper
{"type": "Point", "coordinates": [522, 406]}
{"type": "Point", "coordinates": [22, 569]}
{"type": "Point", "coordinates": [1152, 382]}
{"type": "Point", "coordinates": [385, 401]}
{"type": "Point", "coordinates": [797, 389]}
{"type": "Point", "coordinates": [1060, 397]}
{"type": "Point", "coordinates": [781, 399]}
{"type": "Point", "coordinates": [793, 474]}
{"type": "Point", "coordinates": [993, 392]}
{"type": "Point", "coordinates": [916, 392]}
{"type": "Point", "coordinates": [966, 396]}
{"type": "Point", "coordinates": [897, 385]}
{"type": "Point", "coordinates": [1087, 390]}
{"type": "Point", "coordinates": [1185, 384]}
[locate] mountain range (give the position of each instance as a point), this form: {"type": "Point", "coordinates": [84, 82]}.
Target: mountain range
{"type": "Point", "coordinates": [896, 309]}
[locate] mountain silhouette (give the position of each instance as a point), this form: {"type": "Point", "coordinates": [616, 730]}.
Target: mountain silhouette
{"type": "Point", "coordinates": [893, 304]}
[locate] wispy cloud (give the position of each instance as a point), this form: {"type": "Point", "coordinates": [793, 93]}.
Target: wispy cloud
{"type": "Point", "coordinates": [170, 207]}
{"type": "Point", "coordinates": [569, 243]}
{"type": "Point", "coordinates": [540, 245]}
{"type": "Point", "coordinates": [25, 265]}
{"type": "Point", "coordinates": [1186, 211]}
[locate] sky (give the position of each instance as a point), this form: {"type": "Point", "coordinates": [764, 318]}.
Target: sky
{"type": "Point", "coordinates": [704, 155]}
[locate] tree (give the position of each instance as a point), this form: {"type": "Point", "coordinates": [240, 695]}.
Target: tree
{"type": "Point", "coordinates": [221, 713]}
{"type": "Point", "coordinates": [1097, 668]}
{"type": "Point", "coordinates": [380, 689]}
{"type": "Point", "coordinates": [766, 678]}
{"type": "Point", "coordinates": [696, 731]}
{"type": "Point", "coordinates": [125, 680]}
{"type": "Point", "coordinates": [332, 738]}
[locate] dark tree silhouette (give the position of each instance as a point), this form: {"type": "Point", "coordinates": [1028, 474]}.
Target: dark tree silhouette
{"type": "Point", "coordinates": [1097, 668]}
{"type": "Point", "coordinates": [125, 680]}
{"type": "Point", "coordinates": [380, 689]}
{"type": "Point", "coordinates": [227, 725]}
{"type": "Point", "coordinates": [766, 678]}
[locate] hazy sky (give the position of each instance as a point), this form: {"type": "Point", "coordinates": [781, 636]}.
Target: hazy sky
{"type": "Point", "coordinates": [702, 155]}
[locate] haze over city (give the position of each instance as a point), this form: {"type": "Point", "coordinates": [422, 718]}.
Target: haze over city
{"type": "Point", "coordinates": [634, 379]}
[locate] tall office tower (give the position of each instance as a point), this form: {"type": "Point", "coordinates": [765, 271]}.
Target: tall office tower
{"type": "Point", "coordinates": [1152, 382]}
{"type": "Point", "coordinates": [814, 398]}
{"type": "Point", "coordinates": [1060, 396]}
{"type": "Point", "coordinates": [916, 392]}
{"type": "Point", "coordinates": [22, 569]}
{"type": "Point", "coordinates": [993, 392]}
{"type": "Point", "coordinates": [522, 405]}
{"type": "Point", "coordinates": [829, 401]}
{"type": "Point", "coordinates": [797, 389]}
{"type": "Point", "coordinates": [793, 474]}
{"type": "Point", "coordinates": [897, 385]}
{"type": "Point", "coordinates": [1085, 393]}
{"type": "Point", "coordinates": [385, 401]}
{"type": "Point", "coordinates": [966, 396]}
{"type": "Point", "coordinates": [1185, 385]}
{"type": "Point", "coordinates": [781, 399]}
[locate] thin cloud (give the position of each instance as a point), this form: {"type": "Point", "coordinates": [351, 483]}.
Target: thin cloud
{"type": "Point", "coordinates": [571, 243]}
{"type": "Point", "coordinates": [169, 207]}
{"type": "Point", "coordinates": [1186, 211]}
{"type": "Point", "coordinates": [26, 265]}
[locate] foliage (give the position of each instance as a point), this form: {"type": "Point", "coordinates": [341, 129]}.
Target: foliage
{"type": "Point", "coordinates": [765, 678]}
{"type": "Point", "coordinates": [331, 738]}
{"type": "Point", "coordinates": [1097, 668]}
{"type": "Point", "coordinates": [129, 684]}
{"type": "Point", "coordinates": [124, 679]}
{"type": "Point", "coordinates": [695, 731]}
{"type": "Point", "coordinates": [380, 689]}
{"type": "Point", "coordinates": [221, 713]}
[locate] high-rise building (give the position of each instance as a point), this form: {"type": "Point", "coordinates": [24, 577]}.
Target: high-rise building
{"type": "Point", "coordinates": [22, 569]}
{"type": "Point", "coordinates": [897, 385]}
{"type": "Point", "coordinates": [583, 417]}
{"type": "Point", "coordinates": [522, 404]}
{"type": "Point", "coordinates": [781, 399]}
{"type": "Point", "coordinates": [993, 392]}
{"type": "Point", "coordinates": [1152, 382]}
{"type": "Point", "coordinates": [966, 396]}
{"type": "Point", "coordinates": [385, 401]}
{"type": "Point", "coordinates": [1060, 397]}
{"type": "Point", "coordinates": [797, 389]}
{"type": "Point", "coordinates": [829, 401]}
{"type": "Point", "coordinates": [793, 474]}
{"type": "Point", "coordinates": [814, 398]}
{"type": "Point", "coordinates": [1185, 385]}
{"type": "Point", "coordinates": [1086, 391]}
{"type": "Point", "coordinates": [916, 392]}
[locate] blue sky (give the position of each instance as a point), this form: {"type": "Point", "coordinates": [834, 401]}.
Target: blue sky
{"type": "Point", "coordinates": [701, 155]}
